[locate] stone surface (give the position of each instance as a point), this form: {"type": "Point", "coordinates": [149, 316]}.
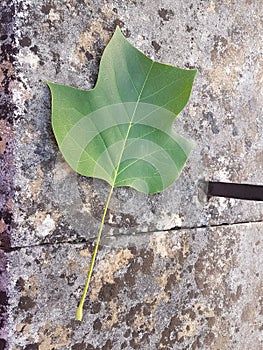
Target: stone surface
{"type": "Point", "coordinates": [196, 286]}
{"type": "Point", "coordinates": [186, 289]}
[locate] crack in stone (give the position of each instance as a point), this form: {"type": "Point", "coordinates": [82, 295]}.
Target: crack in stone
{"type": "Point", "coordinates": [147, 233]}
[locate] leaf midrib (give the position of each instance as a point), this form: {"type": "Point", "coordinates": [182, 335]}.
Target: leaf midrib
{"type": "Point", "coordinates": [130, 125]}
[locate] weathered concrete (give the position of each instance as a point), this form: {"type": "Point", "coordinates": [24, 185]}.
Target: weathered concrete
{"type": "Point", "coordinates": [185, 289]}
{"type": "Point", "coordinates": [204, 293]}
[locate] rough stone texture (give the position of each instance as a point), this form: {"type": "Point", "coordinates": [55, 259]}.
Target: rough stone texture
{"type": "Point", "coordinates": [7, 107]}
{"type": "Point", "coordinates": [189, 288]}
{"type": "Point", "coordinates": [185, 289]}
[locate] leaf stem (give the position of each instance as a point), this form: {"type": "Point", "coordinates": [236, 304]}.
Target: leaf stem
{"type": "Point", "coordinates": [81, 303]}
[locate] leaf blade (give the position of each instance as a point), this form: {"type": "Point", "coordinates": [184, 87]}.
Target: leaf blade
{"type": "Point", "coordinates": [121, 131]}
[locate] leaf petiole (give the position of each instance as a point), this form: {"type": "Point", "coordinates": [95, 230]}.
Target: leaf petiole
{"type": "Point", "coordinates": [79, 312]}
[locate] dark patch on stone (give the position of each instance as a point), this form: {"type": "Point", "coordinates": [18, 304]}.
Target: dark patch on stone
{"type": "Point", "coordinates": [132, 314]}
{"type": "Point", "coordinates": [3, 344]}
{"type": "Point", "coordinates": [134, 345]}
{"type": "Point", "coordinates": [212, 122]}
{"type": "Point", "coordinates": [5, 242]}
{"type": "Point", "coordinates": [189, 29]}
{"type": "Point", "coordinates": [148, 258]}
{"type": "Point", "coordinates": [34, 49]}
{"type": "Point", "coordinates": [89, 56]}
{"type": "Point", "coordinates": [127, 33]}
{"type": "Point", "coordinates": [34, 346]}
{"type": "Point", "coordinates": [156, 46]}
{"type": "Point", "coordinates": [8, 14]}
{"type": "Point", "coordinates": [124, 345]}
{"type": "Point", "coordinates": [7, 217]}
{"type": "Point", "coordinates": [108, 345]}
{"type": "Point", "coordinates": [71, 279]}
{"type": "Point", "coordinates": [180, 257]}
{"type": "Point", "coordinates": [211, 322]}
{"type": "Point", "coordinates": [147, 310]}
{"type": "Point", "coordinates": [189, 66]}
{"type": "Point", "coordinates": [127, 333]}
{"type": "Point", "coordinates": [196, 344]}
{"type": "Point", "coordinates": [3, 297]}
{"type": "Point", "coordinates": [142, 334]}
{"type": "Point", "coordinates": [79, 346]}
{"type": "Point", "coordinates": [97, 325]}
{"type": "Point", "coordinates": [26, 303]}
{"type": "Point", "coordinates": [165, 14]}
{"type": "Point", "coordinates": [28, 318]}
{"type": "Point", "coordinates": [89, 347]}
{"type": "Point", "coordinates": [3, 37]}
{"type": "Point", "coordinates": [25, 41]}
{"type": "Point", "coordinates": [220, 45]}
{"type": "Point", "coordinates": [95, 308]}
{"type": "Point", "coordinates": [209, 338]}
{"type": "Point", "coordinates": [46, 9]}
{"type": "Point", "coordinates": [108, 291]}
{"type": "Point", "coordinates": [20, 284]}
{"type": "Point", "coordinates": [169, 334]}
{"type": "Point", "coordinates": [234, 131]}
{"type": "Point", "coordinates": [171, 282]}
{"type": "Point", "coordinates": [119, 23]}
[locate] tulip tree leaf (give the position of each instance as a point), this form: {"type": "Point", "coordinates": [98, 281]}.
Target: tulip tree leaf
{"type": "Point", "coordinates": [121, 130]}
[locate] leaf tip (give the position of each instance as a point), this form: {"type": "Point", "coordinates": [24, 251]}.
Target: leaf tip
{"type": "Point", "coordinates": [118, 28]}
{"type": "Point", "coordinates": [118, 32]}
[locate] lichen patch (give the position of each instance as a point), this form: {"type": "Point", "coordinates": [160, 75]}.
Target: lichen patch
{"type": "Point", "coordinates": [87, 40]}
{"type": "Point", "coordinates": [24, 328]}
{"type": "Point", "coordinates": [31, 287]}
{"type": "Point", "coordinates": [53, 337]}
{"type": "Point", "coordinates": [114, 311]}
{"type": "Point", "coordinates": [166, 247]}
{"type": "Point", "coordinates": [106, 269]}
{"type": "Point", "coordinates": [189, 328]}
{"type": "Point", "coordinates": [227, 67]}
{"type": "Point", "coordinates": [85, 253]}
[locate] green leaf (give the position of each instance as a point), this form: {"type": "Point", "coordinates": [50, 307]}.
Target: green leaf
{"type": "Point", "coordinates": [121, 131]}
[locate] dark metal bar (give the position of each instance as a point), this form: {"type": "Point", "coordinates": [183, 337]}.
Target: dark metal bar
{"type": "Point", "coordinates": [234, 190]}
